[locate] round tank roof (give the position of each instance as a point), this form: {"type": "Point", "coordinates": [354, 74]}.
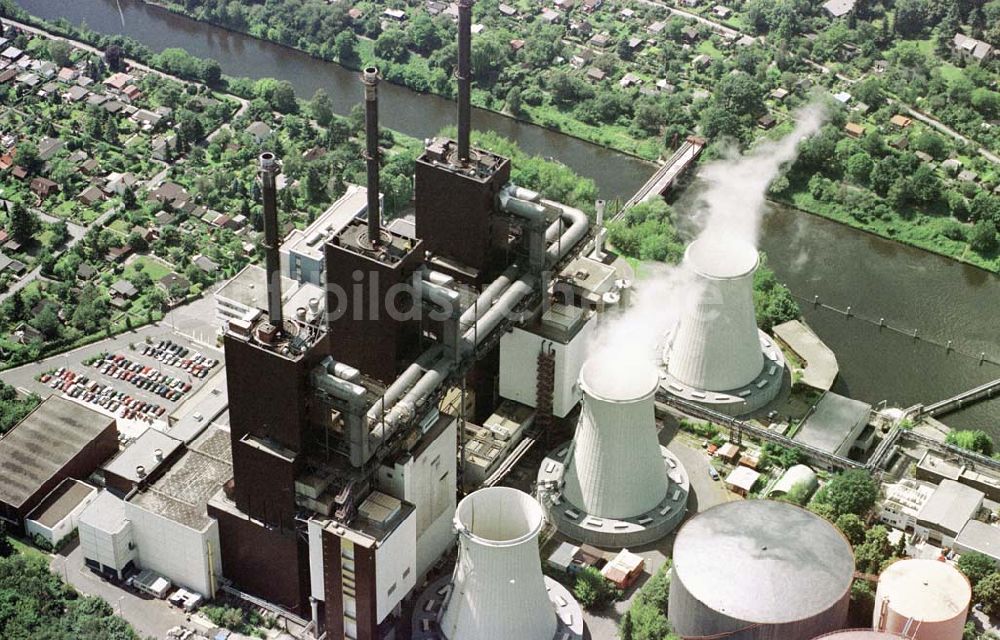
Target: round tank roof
{"type": "Point", "coordinates": [499, 516]}
{"type": "Point", "coordinates": [614, 378]}
{"type": "Point", "coordinates": [763, 562]}
{"type": "Point", "coordinates": [721, 258]}
{"type": "Point", "coordinates": [925, 590]}
{"type": "Point", "coordinates": [859, 634]}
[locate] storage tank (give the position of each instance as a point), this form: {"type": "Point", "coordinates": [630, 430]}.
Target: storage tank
{"type": "Point", "coordinates": [615, 468]}
{"type": "Point", "coordinates": [759, 570]}
{"type": "Point", "coordinates": [923, 600]}
{"type": "Point", "coordinates": [498, 591]}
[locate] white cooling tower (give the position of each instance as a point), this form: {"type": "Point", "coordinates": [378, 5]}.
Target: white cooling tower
{"type": "Point", "coordinates": [716, 347]}
{"type": "Point", "coordinates": [923, 600]}
{"type": "Point", "coordinates": [615, 468]}
{"type": "Point", "coordinates": [498, 591]}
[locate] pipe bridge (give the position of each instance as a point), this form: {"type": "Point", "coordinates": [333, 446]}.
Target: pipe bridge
{"type": "Point", "coordinates": [960, 401]}
{"type": "Point", "coordinates": [737, 427]}
{"type": "Point", "coordinates": [667, 174]}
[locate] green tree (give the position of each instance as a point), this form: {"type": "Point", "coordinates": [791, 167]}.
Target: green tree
{"type": "Point", "coordinates": [26, 156]}
{"type": "Point", "coordinates": [626, 630]}
{"type": "Point", "coordinates": [987, 592]}
{"type": "Point", "coordinates": [47, 321]}
{"type": "Point", "coordinates": [912, 17]}
{"type": "Point", "coordinates": [851, 491]}
{"type": "Point", "coordinates": [59, 51]}
{"type": "Point", "coordinates": [23, 223]}
{"type": "Point", "coordinates": [859, 167]}
{"type": "Point", "coordinates": [592, 590]}
{"type": "Point", "coordinates": [345, 46]}
{"type": "Point", "coordinates": [852, 527]}
{"type": "Point", "coordinates": [321, 107]}
{"type": "Point", "coordinates": [391, 45]}
{"type": "Point", "coordinates": [971, 440]}
{"type": "Point", "coordinates": [931, 144]}
{"type": "Point", "coordinates": [976, 566]}
{"type": "Point", "coordinates": [983, 238]}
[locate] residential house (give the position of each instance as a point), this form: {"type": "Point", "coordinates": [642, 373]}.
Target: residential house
{"type": "Point", "coordinates": [590, 6]}
{"type": "Point", "coordinates": [124, 289]}
{"type": "Point", "coordinates": [162, 145]}
{"type": "Point", "coordinates": [75, 93]}
{"type": "Point", "coordinates": [259, 131]}
{"type": "Point", "coordinates": [656, 28]}
{"type": "Point", "coordinates": [118, 183]}
{"type": "Point", "coordinates": [7, 75]}
{"type": "Point", "coordinates": [206, 264]}
{"type": "Point", "coordinates": [838, 8]}
{"type": "Point", "coordinates": [48, 147]}
{"type": "Point", "coordinates": [854, 129]}
{"type": "Point", "coordinates": [91, 196]}
{"type": "Point", "coordinates": [721, 12]}
{"type": "Point", "coordinates": [68, 74]}
{"type": "Point", "coordinates": [690, 34]}
{"type": "Point", "coordinates": [169, 192]}
{"type": "Point", "coordinates": [900, 121]}
{"type": "Point", "coordinates": [118, 81]}
{"type": "Point", "coordinates": [507, 10]}
{"type": "Point", "coordinates": [146, 119]}
{"type": "Point", "coordinates": [971, 49]}
{"type": "Point", "coordinates": [626, 14]}
{"type": "Point", "coordinates": [766, 122]}
{"type": "Point", "coordinates": [172, 282]}
{"type": "Point", "coordinates": [85, 271]}
{"type": "Point", "coordinates": [11, 53]}
{"type": "Point", "coordinates": [629, 80]}
{"type": "Point", "coordinates": [550, 16]}
{"type": "Point", "coordinates": [118, 254]}
{"type": "Point", "coordinates": [595, 75]}
{"type": "Point", "coordinates": [779, 94]}
{"type": "Point", "coordinates": [601, 40]}
{"type": "Point", "coordinates": [396, 15]}
{"type": "Point", "coordinates": [43, 187]}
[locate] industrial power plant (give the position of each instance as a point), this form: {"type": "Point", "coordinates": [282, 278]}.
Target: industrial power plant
{"type": "Point", "coordinates": [759, 570]}
{"type": "Point", "coordinates": [716, 356]}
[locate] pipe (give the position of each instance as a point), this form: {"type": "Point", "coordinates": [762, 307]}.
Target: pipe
{"type": "Point", "coordinates": [407, 405]}
{"type": "Point", "coordinates": [369, 77]}
{"type": "Point", "coordinates": [486, 298]}
{"type": "Point", "coordinates": [574, 233]}
{"type": "Point", "coordinates": [394, 392]}
{"type": "Point", "coordinates": [601, 231]}
{"type": "Point", "coordinates": [445, 298]}
{"type": "Point", "coordinates": [340, 370]}
{"type": "Point", "coordinates": [272, 257]}
{"type": "Point", "coordinates": [505, 304]}
{"type": "Point", "coordinates": [464, 78]}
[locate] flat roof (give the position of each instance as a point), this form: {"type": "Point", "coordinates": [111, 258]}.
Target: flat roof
{"type": "Point", "coordinates": [105, 513]}
{"type": "Point", "coordinates": [836, 420]}
{"type": "Point", "coordinates": [60, 502]}
{"type": "Point", "coordinates": [981, 537]}
{"type": "Point", "coordinates": [38, 447]}
{"type": "Point", "coordinates": [951, 506]}
{"type": "Point", "coordinates": [142, 452]}
{"type": "Point", "coordinates": [183, 491]}
{"type": "Point", "coordinates": [249, 288]}
{"type": "Point", "coordinates": [311, 240]}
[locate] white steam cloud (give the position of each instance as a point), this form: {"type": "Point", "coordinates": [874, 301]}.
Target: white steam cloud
{"type": "Point", "coordinates": [728, 211]}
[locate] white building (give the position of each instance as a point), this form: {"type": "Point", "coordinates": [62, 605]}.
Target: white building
{"type": "Point", "coordinates": [947, 512]}
{"type": "Point", "coordinates": [59, 513]}
{"type": "Point", "coordinates": [106, 536]}
{"type": "Point", "coordinates": [489, 445]}
{"type": "Point", "coordinates": [302, 252]}
{"type": "Point", "coordinates": [903, 503]}
{"type": "Point", "coordinates": [563, 332]}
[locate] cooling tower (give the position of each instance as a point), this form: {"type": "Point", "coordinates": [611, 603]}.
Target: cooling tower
{"type": "Point", "coordinates": [615, 468]}
{"type": "Point", "coordinates": [759, 570]}
{"type": "Point", "coordinates": [498, 591]}
{"type": "Point", "coordinates": [614, 485]}
{"type": "Point", "coordinates": [923, 600]}
{"type": "Point", "coordinates": [715, 355]}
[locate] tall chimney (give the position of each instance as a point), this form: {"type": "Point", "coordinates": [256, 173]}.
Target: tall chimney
{"type": "Point", "coordinates": [269, 189]}
{"type": "Point", "coordinates": [369, 77]}
{"type": "Point", "coordinates": [464, 78]}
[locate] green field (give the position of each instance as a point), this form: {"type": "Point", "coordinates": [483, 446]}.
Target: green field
{"type": "Point", "coordinates": [153, 268]}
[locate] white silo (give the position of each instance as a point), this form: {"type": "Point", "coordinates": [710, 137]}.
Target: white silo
{"type": "Point", "coordinates": [616, 432]}
{"type": "Point", "coordinates": [715, 355]}
{"type": "Point", "coordinates": [614, 485]}
{"type": "Point", "coordinates": [759, 570]}
{"type": "Point", "coordinates": [923, 600]}
{"type": "Point", "coordinates": [498, 591]}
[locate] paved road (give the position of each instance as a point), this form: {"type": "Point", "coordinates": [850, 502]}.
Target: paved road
{"type": "Point", "coordinates": [150, 617]}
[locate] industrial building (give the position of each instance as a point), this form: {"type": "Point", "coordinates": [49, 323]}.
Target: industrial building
{"type": "Point", "coordinates": [344, 476]}
{"type": "Point", "coordinates": [922, 600]}
{"type": "Point", "coordinates": [246, 292]}
{"type": "Point", "coordinates": [497, 590]}
{"type": "Point", "coordinates": [60, 439]}
{"type": "Point", "coordinates": [59, 513]}
{"type": "Point", "coordinates": [759, 570]}
{"type": "Point", "coordinates": [715, 356]}
{"type": "Point", "coordinates": [979, 537]}
{"type": "Point", "coordinates": [614, 485]}
{"type": "Point", "coordinates": [837, 425]}
{"type": "Point", "coordinates": [935, 467]}
{"type": "Point", "coordinates": [141, 461]}
{"type": "Point", "coordinates": [947, 511]}
{"type": "Point", "coordinates": [903, 503]}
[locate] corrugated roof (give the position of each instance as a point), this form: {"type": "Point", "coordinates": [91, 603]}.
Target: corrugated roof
{"type": "Point", "coordinates": [43, 443]}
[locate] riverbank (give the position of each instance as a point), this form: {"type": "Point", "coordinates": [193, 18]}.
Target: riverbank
{"type": "Point", "coordinates": [611, 136]}
{"type": "Point", "coordinates": [924, 232]}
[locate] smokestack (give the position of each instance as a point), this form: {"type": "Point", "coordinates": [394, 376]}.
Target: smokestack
{"type": "Point", "coordinates": [369, 77]}
{"type": "Point", "coordinates": [464, 78]}
{"type": "Point", "coordinates": [269, 189]}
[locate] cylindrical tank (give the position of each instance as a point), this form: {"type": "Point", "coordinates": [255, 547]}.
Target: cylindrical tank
{"type": "Point", "coordinates": [759, 570]}
{"type": "Point", "coordinates": [859, 634]}
{"type": "Point", "coordinates": [616, 469]}
{"type": "Point", "coordinates": [498, 591]}
{"type": "Point", "coordinates": [715, 346]}
{"type": "Point", "coordinates": [923, 600]}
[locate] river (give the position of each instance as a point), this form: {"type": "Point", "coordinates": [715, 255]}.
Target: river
{"type": "Point", "coordinates": [911, 289]}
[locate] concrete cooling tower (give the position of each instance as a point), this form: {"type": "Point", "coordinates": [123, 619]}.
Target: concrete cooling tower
{"type": "Point", "coordinates": [497, 590]}
{"type": "Point", "coordinates": [759, 570]}
{"type": "Point", "coordinates": [715, 355]}
{"type": "Point", "coordinates": [922, 600]}
{"type": "Point", "coordinates": [614, 485]}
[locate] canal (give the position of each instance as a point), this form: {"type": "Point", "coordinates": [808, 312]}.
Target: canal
{"type": "Point", "coordinates": [912, 290]}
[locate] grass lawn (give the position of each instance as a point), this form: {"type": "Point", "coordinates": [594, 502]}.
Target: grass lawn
{"type": "Point", "coordinates": [153, 268]}
{"type": "Point", "coordinates": [950, 73]}
{"type": "Point", "coordinates": [27, 549]}
{"type": "Point", "coordinates": [120, 226]}
{"type": "Point", "coordinates": [709, 49]}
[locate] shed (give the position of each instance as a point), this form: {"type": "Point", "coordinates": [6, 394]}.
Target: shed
{"type": "Point", "coordinates": [624, 569]}
{"type": "Point", "coordinates": [58, 514]}
{"type": "Point", "coordinates": [742, 480]}
{"type": "Point", "coordinates": [563, 557]}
